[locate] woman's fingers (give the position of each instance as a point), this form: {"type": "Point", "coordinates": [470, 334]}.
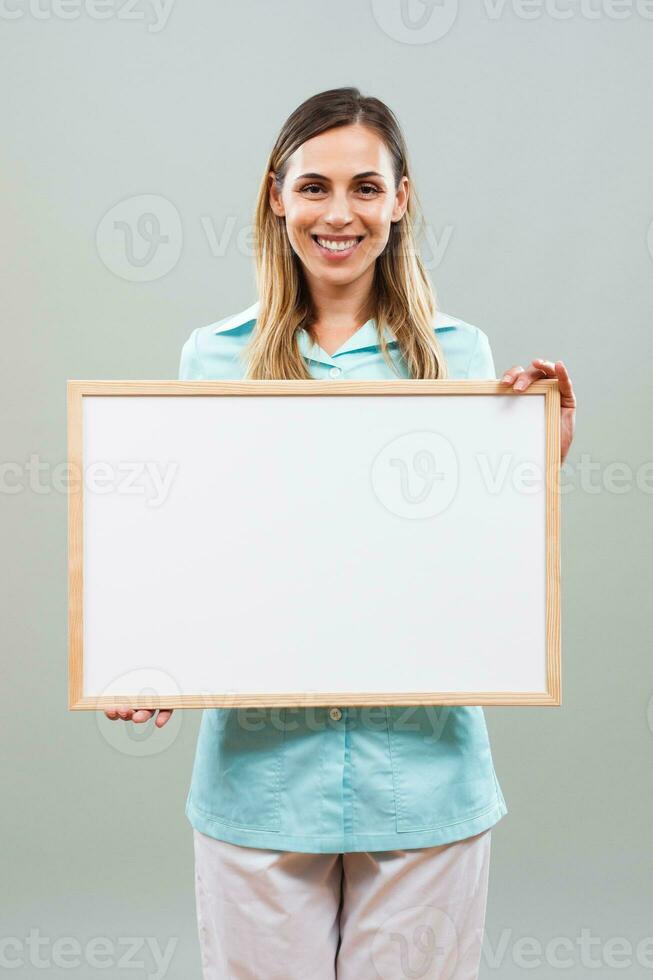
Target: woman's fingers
{"type": "Point", "coordinates": [139, 715]}
{"type": "Point", "coordinates": [510, 376]}
{"type": "Point", "coordinates": [567, 396]}
{"type": "Point", "coordinates": [520, 378]}
{"type": "Point", "coordinates": [164, 715]}
{"type": "Point", "coordinates": [547, 366]}
{"type": "Point", "coordinates": [565, 387]}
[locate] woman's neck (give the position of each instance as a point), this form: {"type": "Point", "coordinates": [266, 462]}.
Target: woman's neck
{"type": "Point", "coordinates": [339, 312]}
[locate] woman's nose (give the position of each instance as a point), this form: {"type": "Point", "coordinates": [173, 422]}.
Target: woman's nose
{"type": "Point", "coordinates": [338, 211]}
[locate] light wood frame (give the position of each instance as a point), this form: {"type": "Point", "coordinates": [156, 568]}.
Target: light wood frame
{"type": "Point", "coordinates": [78, 389]}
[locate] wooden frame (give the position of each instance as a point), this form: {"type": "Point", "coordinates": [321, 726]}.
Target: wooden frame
{"type": "Point", "coordinates": [77, 390]}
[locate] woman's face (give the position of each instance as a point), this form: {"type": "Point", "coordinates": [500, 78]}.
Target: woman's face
{"type": "Point", "coordinates": [339, 200]}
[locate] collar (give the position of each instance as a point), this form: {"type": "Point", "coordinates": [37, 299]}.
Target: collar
{"type": "Point", "coordinates": [238, 319]}
{"type": "Point", "coordinates": [365, 336]}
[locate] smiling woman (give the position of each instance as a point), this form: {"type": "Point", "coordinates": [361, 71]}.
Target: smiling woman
{"type": "Point", "coordinates": [313, 831]}
{"type": "Point", "coordinates": [335, 240]}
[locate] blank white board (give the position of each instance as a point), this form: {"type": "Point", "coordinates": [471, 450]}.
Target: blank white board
{"type": "Point", "coordinates": [267, 543]}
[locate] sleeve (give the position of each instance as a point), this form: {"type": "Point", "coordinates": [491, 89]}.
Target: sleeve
{"type": "Point", "coordinates": [481, 363]}
{"type": "Point", "coordinates": [189, 363]}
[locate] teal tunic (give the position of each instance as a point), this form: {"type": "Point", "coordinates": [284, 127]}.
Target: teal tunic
{"type": "Point", "coordinates": [337, 778]}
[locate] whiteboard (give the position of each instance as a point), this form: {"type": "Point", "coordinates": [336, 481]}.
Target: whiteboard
{"type": "Point", "coordinates": [303, 542]}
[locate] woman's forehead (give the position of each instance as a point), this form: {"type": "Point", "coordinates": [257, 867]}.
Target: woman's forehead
{"type": "Point", "coordinates": [341, 152]}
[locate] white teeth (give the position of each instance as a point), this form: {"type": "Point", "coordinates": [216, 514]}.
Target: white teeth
{"type": "Point", "coordinates": [336, 246]}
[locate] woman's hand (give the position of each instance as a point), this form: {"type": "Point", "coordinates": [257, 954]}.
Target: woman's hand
{"type": "Point", "coordinates": [521, 379]}
{"type": "Point", "coordinates": [139, 715]}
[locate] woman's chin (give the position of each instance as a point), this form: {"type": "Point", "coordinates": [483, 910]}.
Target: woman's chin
{"type": "Point", "coordinates": [340, 273]}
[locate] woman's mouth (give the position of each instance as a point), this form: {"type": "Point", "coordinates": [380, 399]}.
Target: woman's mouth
{"type": "Point", "coordinates": [337, 248]}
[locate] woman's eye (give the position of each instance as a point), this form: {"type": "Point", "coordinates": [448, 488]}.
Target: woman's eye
{"type": "Point", "coordinates": [368, 190]}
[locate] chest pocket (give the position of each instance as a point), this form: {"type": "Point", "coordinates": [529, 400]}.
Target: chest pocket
{"type": "Point", "coordinates": [442, 766]}
{"type": "Point", "coordinates": [237, 770]}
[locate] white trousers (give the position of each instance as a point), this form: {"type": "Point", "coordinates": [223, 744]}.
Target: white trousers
{"type": "Point", "coordinates": [284, 915]}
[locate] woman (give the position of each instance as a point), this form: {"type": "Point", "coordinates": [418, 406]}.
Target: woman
{"type": "Point", "coordinates": [338, 841]}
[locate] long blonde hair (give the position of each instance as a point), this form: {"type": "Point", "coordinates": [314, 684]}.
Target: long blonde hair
{"type": "Point", "coordinates": [402, 299]}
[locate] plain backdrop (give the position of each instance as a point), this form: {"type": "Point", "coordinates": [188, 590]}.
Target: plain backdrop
{"type": "Point", "coordinates": [133, 144]}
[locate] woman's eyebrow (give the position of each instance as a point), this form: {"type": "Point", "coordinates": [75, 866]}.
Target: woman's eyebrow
{"type": "Point", "coordinates": [366, 173]}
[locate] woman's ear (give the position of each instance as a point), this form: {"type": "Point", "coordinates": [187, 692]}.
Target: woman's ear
{"type": "Point", "coordinates": [401, 199]}
{"type": "Point", "coordinates": [274, 196]}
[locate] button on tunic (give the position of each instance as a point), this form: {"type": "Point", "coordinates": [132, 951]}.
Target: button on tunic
{"type": "Point", "coordinates": [336, 779]}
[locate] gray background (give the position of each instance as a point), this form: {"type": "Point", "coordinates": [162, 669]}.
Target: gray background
{"type": "Point", "coordinates": [531, 143]}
